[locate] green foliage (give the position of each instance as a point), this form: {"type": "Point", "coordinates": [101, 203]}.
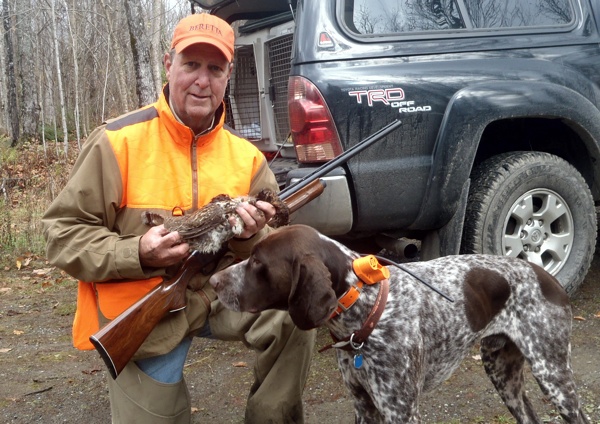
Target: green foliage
{"type": "Point", "coordinates": [65, 309]}
{"type": "Point", "coordinates": [4, 142]}
{"type": "Point", "coordinates": [50, 134]}
{"type": "Point", "coordinates": [8, 155]}
{"type": "Point", "coordinates": [20, 226]}
{"type": "Point", "coordinates": [6, 234]}
{"type": "Point", "coordinates": [29, 179]}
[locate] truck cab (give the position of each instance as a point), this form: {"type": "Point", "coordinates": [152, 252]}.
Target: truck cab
{"type": "Point", "coordinates": [499, 101]}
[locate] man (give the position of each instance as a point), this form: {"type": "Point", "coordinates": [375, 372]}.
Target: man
{"type": "Point", "coordinates": [172, 155]}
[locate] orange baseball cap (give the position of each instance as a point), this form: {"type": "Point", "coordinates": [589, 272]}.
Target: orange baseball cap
{"type": "Point", "coordinates": [204, 28]}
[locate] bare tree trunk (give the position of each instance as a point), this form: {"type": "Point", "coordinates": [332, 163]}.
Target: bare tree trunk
{"type": "Point", "coordinates": [43, 120]}
{"type": "Point", "coordinates": [115, 47]}
{"type": "Point", "coordinates": [30, 107]}
{"type": "Point", "coordinates": [13, 111]}
{"type": "Point", "coordinates": [59, 78]}
{"type": "Point", "coordinates": [105, 84]}
{"type": "Point", "coordinates": [155, 47]}
{"type": "Point", "coordinates": [140, 47]}
{"type": "Point", "coordinates": [75, 70]}
{"type": "Point", "coordinates": [5, 123]}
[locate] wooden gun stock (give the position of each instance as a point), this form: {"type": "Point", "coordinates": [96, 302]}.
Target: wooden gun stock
{"type": "Point", "coordinates": [118, 341]}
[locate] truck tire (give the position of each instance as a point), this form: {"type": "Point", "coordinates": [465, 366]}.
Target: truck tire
{"type": "Point", "coordinates": [535, 206]}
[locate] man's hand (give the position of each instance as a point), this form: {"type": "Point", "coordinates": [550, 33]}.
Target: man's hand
{"type": "Point", "coordinates": [161, 248]}
{"type": "Point", "coordinates": [255, 218]}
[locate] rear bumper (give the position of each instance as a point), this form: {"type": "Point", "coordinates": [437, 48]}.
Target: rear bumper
{"type": "Point", "coordinates": [331, 212]}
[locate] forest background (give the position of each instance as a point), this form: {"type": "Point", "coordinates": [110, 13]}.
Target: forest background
{"type": "Point", "coordinates": [65, 67]}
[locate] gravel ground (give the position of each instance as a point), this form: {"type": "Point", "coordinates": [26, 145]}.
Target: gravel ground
{"type": "Point", "coordinates": [43, 379]}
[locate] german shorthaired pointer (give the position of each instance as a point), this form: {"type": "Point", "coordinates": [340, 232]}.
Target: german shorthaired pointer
{"type": "Point", "coordinates": [517, 311]}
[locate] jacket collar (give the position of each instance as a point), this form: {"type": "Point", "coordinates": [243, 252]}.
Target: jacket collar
{"type": "Point", "coordinates": [179, 129]}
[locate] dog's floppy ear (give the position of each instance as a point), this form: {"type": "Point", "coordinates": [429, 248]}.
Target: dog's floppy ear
{"type": "Point", "coordinates": [312, 299]}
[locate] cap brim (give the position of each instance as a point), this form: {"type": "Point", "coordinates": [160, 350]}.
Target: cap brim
{"type": "Point", "coordinates": [184, 44]}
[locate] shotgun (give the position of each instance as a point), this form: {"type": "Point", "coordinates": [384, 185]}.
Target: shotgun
{"type": "Point", "coordinates": [118, 340]}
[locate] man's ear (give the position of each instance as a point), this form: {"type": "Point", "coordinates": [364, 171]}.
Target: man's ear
{"type": "Point", "coordinates": [312, 299]}
{"type": "Point", "coordinates": [167, 62]}
{"type": "Point", "coordinates": [230, 66]}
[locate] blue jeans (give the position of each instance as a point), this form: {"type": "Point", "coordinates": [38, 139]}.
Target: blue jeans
{"type": "Point", "coordinates": [168, 368]}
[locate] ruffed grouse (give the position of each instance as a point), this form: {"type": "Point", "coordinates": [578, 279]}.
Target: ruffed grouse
{"type": "Point", "coordinates": [208, 228]}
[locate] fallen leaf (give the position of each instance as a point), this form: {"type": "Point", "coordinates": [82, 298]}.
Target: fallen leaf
{"type": "Point", "coordinates": [5, 350]}
{"type": "Point", "coordinates": [5, 289]}
{"type": "Point", "coordinates": [240, 364]}
{"type": "Point", "coordinates": [597, 315]}
{"type": "Point", "coordinates": [18, 332]}
{"type": "Point", "coordinates": [194, 410]}
{"type": "Point", "coordinates": [579, 318]}
{"type": "Point", "coordinates": [18, 264]}
{"type": "Point", "coordinates": [476, 357]}
{"type": "Point", "coordinates": [42, 271]}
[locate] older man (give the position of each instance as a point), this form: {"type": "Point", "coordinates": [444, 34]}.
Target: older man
{"type": "Point", "coordinates": [172, 155]}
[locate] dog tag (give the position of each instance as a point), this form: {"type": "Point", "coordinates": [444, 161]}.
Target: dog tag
{"type": "Point", "coordinates": [358, 360]}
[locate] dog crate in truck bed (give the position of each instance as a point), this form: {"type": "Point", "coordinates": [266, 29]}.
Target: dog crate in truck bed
{"type": "Point", "coordinates": [256, 97]}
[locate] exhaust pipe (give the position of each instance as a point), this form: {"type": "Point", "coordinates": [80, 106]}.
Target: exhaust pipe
{"type": "Point", "coordinates": [403, 247]}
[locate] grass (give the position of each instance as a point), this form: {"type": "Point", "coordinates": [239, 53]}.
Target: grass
{"type": "Point", "coordinates": [30, 177]}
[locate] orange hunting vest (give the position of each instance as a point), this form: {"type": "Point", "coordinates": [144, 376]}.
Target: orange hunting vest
{"type": "Point", "coordinates": [161, 168]}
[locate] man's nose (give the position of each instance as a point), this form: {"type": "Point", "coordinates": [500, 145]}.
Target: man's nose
{"type": "Point", "coordinates": [202, 78]}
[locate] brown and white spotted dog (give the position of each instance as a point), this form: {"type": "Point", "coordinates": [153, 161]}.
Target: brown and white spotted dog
{"type": "Point", "coordinates": [517, 311]}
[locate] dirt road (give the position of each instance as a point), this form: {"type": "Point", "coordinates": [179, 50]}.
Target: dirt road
{"type": "Point", "coordinates": [43, 379]}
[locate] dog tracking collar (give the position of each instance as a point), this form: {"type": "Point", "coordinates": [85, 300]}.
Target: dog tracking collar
{"type": "Point", "coordinates": [369, 271]}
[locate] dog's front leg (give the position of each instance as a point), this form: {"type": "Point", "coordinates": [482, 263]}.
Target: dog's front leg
{"type": "Point", "coordinates": [365, 410]}
{"type": "Point", "coordinates": [382, 391]}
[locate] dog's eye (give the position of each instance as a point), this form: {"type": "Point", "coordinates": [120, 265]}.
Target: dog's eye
{"type": "Point", "coordinates": [253, 262]}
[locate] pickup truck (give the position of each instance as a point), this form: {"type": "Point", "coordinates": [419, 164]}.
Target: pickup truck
{"type": "Point", "coordinates": [498, 151]}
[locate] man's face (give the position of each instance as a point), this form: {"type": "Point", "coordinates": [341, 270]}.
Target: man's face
{"type": "Point", "coordinates": [197, 79]}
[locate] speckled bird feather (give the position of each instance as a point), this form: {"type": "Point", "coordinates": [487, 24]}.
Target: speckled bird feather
{"type": "Point", "coordinates": [209, 227]}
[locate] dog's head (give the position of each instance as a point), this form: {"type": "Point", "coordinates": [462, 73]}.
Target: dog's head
{"type": "Point", "coordinates": [294, 269]}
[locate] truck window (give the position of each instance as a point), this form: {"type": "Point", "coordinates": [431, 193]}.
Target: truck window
{"type": "Point", "coordinates": [395, 16]}
{"type": "Point", "coordinates": [519, 13]}
{"type": "Point", "coordinates": [381, 17]}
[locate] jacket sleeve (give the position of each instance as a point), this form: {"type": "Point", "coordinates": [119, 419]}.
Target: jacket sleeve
{"type": "Point", "coordinates": [263, 178]}
{"type": "Point", "coordinates": [79, 224]}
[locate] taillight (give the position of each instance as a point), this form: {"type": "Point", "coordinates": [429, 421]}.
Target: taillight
{"type": "Point", "coordinates": [313, 132]}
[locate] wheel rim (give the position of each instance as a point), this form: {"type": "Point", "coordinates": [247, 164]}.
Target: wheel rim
{"type": "Point", "coordinates": [539, 229]}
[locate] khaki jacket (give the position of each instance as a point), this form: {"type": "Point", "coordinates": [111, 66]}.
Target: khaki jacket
{"type": "Point", "coordinates": [143, 160]}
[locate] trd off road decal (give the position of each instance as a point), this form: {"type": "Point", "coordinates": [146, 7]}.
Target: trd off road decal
{"type": "Point", "coordinates": [393, 97]}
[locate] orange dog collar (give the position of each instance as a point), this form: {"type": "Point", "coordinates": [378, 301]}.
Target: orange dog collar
{"type": "Point", "coordinates": [369, 271]}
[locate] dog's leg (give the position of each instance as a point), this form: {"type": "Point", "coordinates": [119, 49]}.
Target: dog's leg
{"type": "Point", "coordinates": [384, 394]}
{"type": "Point", "coordinates": [551, 368]}
{"type": "Point", "coordinates": [504, 363]}
{"type": "Point", "coordinates": [365, 410]}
